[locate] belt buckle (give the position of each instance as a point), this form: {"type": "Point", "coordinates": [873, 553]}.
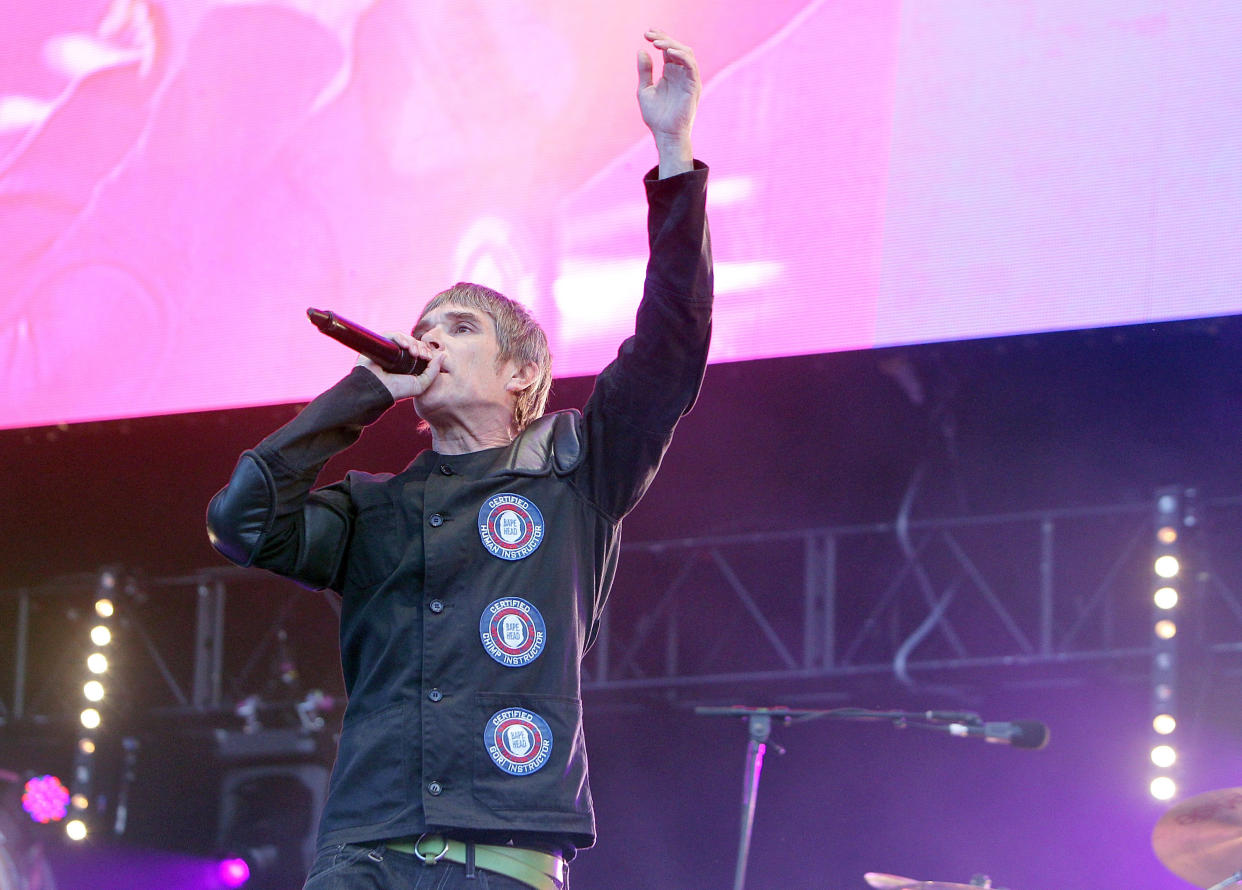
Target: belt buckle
{"type": "Point", "coordinates": [428, 859]}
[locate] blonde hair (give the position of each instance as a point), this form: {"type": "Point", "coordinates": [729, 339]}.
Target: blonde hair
{"type": "Point", "coordinates": [518, 336]}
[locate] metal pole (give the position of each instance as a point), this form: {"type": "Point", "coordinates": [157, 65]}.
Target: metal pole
{"type": "Point", "coordinates": [760, 726]}
{"type": "Point", "coordinates": [1046, 589]}
{"type": "Point", "coordinates": [19, 659]}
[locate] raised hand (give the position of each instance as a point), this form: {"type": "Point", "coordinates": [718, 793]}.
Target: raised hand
{"type": "Point", "coordinates": [668, 105]}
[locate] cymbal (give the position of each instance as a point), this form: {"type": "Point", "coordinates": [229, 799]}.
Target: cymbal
{"type": "Point", "coordinates": [894, 882]}
{"type": "Point", "coordinates": [1200, 839]}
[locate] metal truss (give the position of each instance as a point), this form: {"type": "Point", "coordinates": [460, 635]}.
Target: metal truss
{"type": "Point", "coordinates": [1056, 587]}
{"type": "Point", "coordinates": [1020, 590]}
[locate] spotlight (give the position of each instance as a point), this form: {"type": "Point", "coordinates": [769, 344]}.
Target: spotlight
{"type": "Point", "coordinates": [1165, 598]}
{"type": "Point", "coordinates": [76, 830]}
{"type": "Point", "coordinates": [1166, 535]}
{"type": "Point", "coordinates": [90, 718]}
{"type": "Point", "coordinates": [1163, 788]}
{"type": "Point", "coordinates": [233, 872]}
{"type": "Point", "coordinates": [103, 608]}
{"type": "Point", "coordinates": [93, 691]}
{"type": "Point", "coordinates": [46, 799]}
{"type": "Point", "coordinates": [97, 663]}
{"type": "Point", "coordinates": [100, 635]}
{"type": "Point", "coordinates": [1164, 724]}
{"type": "Point", "coordinates": [1163, 756]}
{"type": "Point", "coordinates": [1166, 566]}
{"type": "Point", "coordinates": [86, 746]}
{"type": "Point", "coordinates": [1166, 629]}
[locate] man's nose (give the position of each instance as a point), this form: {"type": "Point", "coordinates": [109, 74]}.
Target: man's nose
{"type": "Point", "coordinates": [432, 337]}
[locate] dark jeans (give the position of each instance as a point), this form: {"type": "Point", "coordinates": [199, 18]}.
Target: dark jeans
{"type": "Point", "coordinates": [375, 867]}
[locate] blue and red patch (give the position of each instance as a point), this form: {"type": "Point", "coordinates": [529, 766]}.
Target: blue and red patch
{"type": "Point", "coordinates": [518, 741]}
{"type": "Point", "coordinates": [510, 526]}
{"type": "Point", "coordinates": [512, 631]}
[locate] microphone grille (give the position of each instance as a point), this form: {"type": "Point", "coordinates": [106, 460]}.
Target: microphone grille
{"type": "Point", "coordinates": [1029, 734]}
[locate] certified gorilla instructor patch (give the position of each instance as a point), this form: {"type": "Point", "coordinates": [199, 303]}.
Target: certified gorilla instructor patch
{"type": "Point", "coordinates": [510, 526]}
{"type": "Point", "coordinates": [518, 741]}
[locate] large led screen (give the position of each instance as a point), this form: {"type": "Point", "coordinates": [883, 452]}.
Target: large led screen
{"type": "Point", "coordinates": [180, 180]}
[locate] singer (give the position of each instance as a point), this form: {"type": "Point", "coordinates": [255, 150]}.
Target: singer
{"type": "Point", "coordinates": [472, 582]}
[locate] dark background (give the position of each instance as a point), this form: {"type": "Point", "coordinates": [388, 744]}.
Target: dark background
{"type": "Point", "coordinates": [1054, 420]}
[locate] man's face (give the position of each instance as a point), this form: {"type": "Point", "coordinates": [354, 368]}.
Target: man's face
{"type": "Point", "coordinates": [470, 377]}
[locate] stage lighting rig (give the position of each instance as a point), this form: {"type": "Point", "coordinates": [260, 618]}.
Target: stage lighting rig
{"type": "Point", "coordinates": [1174, 516]}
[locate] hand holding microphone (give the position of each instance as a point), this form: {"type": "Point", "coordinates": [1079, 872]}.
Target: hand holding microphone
{"type": "Point", "coordinates": [385, 352]}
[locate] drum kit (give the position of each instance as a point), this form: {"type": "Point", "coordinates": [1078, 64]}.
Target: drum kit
{"type": "Point", "coordinates": [1199, 840]}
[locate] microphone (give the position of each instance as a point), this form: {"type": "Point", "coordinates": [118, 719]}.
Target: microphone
{"type": "Point", "coordinates": [389, 355]}
{"type": "Point", "coordinates": [1019, 733]}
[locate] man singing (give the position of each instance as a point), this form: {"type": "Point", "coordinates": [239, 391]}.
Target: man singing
{"type": "Point", "coordinates": [472, 582]}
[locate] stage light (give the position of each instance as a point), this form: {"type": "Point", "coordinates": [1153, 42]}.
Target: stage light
{"type": "Point", "coordinates": [1165, 598]}
{"type": "Point", "coordinates": [103, 608]}
{"type": "Point", "coordinates": [1163, 788]}
{"type": "Point", "coordinates": [93, 691]}
{"type": "Point", "coordinates": [1174, 512]}
{"type": "Point", "coordinates": [233, 872]}
{"type": "Point", "coordinates": [46, 799]}
{"type": "Point", "coordinates": [1163, 756]}
{"type": "Point", "coordinates": [80, 802]}
{"type": "Point", "coordinates": [1167, 566]}
{"type": "Point", "coordinates": [90, 718]}
{"type": "Point", "coordinates": [97, 663]}
{"type": "Point", "coordinates": [76, 830]}
{"type": "Point", "coordinates": [100, 635]}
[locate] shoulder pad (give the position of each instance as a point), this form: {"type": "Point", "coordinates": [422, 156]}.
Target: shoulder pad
{"type": "Point", "coordinates": [552, 444]}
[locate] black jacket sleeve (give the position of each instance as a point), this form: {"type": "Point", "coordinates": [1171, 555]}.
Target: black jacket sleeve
{"type": "Point", "coordinates": [269, 516]}
{"type": "Point", "coordinates": [655, 378]}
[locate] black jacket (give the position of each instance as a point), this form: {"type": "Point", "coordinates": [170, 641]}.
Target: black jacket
{"type": "Point", "coordinates": [473, 584]}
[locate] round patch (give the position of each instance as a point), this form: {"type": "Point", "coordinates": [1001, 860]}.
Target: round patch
{"type": "Point", "coordinates": [518, 741]}
{"type": "Point", "coordinates": [510, 526]}
{"type": "Point", "coordinates": [512, 631]}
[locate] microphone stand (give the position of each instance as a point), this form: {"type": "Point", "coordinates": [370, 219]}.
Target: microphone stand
{"type": "Point", "coordinates": [758, 734]}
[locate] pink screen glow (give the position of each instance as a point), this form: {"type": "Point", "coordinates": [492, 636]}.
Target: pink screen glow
{"type": "Point", "coordinates": [180, 180]}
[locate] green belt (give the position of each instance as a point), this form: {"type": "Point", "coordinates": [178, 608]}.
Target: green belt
{"type": "Point", "coordinates": [544, 871]}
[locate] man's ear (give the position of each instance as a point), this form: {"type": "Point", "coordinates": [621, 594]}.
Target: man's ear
{"type": "Point", "coordinates": [522, 377]}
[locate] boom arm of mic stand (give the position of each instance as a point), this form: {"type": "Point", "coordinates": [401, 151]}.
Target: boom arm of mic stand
{"type": "Point", "coordinates": [759, 731]}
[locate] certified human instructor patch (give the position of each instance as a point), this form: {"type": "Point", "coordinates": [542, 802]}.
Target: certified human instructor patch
{"type": "Point", "coordinates": [518, 741]}
{"type": "Point", "coordinates": [512, 631]}
{"type": "Point", "coordinates": [510, 526]}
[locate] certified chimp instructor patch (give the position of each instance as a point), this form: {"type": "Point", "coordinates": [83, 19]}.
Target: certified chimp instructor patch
{"type": "Point", "coordinates": [510, 526]}
{"type": "Point", "coordinates": [518, 741]}
{"type": "Point", "coordinates": [512, 631]}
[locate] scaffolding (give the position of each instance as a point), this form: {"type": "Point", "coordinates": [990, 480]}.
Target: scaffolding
{"type": "Point", "coordinates": [1015, 591]}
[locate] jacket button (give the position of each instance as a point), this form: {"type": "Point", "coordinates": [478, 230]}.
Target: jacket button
{"type": "Point", "coordinates": [436, 520]}
{"type": "Point", "coordinates": [446, 469]}
{"type": "Point", "coordinates": [435, 695]}
{"type": "Point", "coordinates": [434, 789]}
{"type": "Point", "coordinates": [436, 606]}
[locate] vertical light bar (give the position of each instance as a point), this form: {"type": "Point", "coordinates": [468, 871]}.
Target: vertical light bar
{"type": "Point", "coordinates": [1173, 516]}
{"type": "Point", "coordinates": [91, 704]}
